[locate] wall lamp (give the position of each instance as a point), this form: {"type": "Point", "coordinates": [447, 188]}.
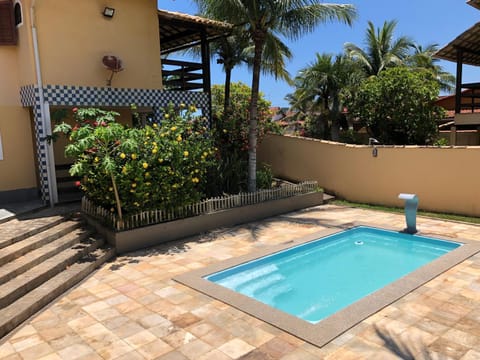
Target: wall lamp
{"type": "Point", "coordinates": [108, 12]}
{"type": "Point", "coordinates": [374, 142]}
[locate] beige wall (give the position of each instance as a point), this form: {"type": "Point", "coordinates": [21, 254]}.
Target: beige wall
{"type": "Point", "coordinates": [17, 169]}
{"type": "Point", "coordinates": [445, 179]}
{"type": "Point", "coordinates": [74, 36]}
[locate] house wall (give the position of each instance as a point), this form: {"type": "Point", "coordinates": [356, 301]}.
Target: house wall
{"type": "Point", "coordinates": [445, 179]}
{"type": "Point", "coordinates": [72, 39]}
{"type": "Point", "coordinates": [74, 36]}
{"type": "Point", "coordinates": [17, 166]}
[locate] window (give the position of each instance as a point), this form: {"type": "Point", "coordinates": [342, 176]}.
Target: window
{"type": "Point", "coordinates": [8, 31]}
{"type": "Point", "coordinates": [17, 12]}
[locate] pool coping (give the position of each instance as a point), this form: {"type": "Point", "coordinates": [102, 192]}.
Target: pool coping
{"type": "Point", "coordinates": [331, 327]}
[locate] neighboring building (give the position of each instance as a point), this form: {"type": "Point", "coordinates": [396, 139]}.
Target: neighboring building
{"type": "Point", "coordinates": [464, 49]}
{"type": "Point", "coordinates": [51, 55]}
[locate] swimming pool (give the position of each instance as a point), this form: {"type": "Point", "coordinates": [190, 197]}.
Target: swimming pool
{"type": "Point", "coordinates": [314, 280]}
{"type": "Point", "coordinates": [320, 332]}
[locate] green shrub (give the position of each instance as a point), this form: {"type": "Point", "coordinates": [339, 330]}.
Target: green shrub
{"type": "Point", "coordinates": [230, 132]}
{"type": "Point", "coordinates": [132, 169]}
{"type": "Point", "coordinates": [265, 177]}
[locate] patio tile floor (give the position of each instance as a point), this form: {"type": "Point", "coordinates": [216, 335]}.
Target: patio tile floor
{"type": "Point", "coordinates": [132, 309]}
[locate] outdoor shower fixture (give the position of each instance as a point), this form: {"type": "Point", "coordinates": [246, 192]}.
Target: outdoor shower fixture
{"type": "Point", "coordinates": [411, 205]}
{"type": "Point", "coordinates": [373, 141]}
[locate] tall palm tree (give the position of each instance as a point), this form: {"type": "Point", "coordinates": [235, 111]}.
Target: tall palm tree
{"type": "Point", "coordinates": [382, 50]}
{"type": "Point", "coordinates": [325, 84]}
{"type": "Point", "coordinates": [264, 20]}
{"type": "Point", "coordinates": [230, 51]}
{"type": "Point", "coordinates": [422, 57]}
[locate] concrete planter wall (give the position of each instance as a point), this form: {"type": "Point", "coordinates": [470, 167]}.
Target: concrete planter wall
{"type": "Point", "coordinates": [147, 236]}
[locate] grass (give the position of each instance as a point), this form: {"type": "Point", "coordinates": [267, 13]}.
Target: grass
{"type": "Point", "coordinates": [466, 219]}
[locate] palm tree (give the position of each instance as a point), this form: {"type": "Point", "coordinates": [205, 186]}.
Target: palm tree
{"type": "Point", "coordinates": [382, 51]}
{"type": "Point", "coordinates": [264, 21]}
{"type": "Point", "coordinates": [231, 51]}
{"type": "Point", "coordinates": [325, 84]}
{"type": "Point", "coordinates": [422, 58]}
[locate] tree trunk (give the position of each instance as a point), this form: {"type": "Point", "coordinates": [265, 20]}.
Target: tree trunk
{"type": "Point", "coordinates": [335, 115]}
{"type": "Point", "coordinates": [226, 101]}
{"type": "Point", "coordinates": [258, 38]}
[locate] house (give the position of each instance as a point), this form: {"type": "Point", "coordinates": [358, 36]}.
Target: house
{"type": "Point", "coordinates": [57, 54]}
{"type": "Point", "coordinates": [465, 49]}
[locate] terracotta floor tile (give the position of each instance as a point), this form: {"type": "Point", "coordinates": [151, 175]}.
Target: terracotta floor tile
{"type": "Point", "coordinates": [154, 349]}
{"type": "Point", "coordinates": [236, 348]}
{"type": "Point", "coordinates": [107, 315]}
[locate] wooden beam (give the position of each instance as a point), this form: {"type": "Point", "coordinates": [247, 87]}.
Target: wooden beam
{"type": "Point", "coordinates": [458, 85]}
{"type": "Point", "coordinates": [205, 62]}
{"type": "Point", "coordinates": [196, 66]}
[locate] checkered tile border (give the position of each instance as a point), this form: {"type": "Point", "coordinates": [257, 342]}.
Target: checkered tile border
{"type": "Point", "coordinates": [63, 95]}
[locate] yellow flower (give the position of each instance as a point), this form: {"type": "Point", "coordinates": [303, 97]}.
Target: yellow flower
{"type": "Point", "coordinates": [122, 156]}
{"type": "Point", "coordinates": [134, 185]}
{"type": "Point", "coordinates": [147, 174]}
{"type": "Point", "coordinates": [197, 171]}
{"type": "Point", "coordinates": [154, 143]}
{"type": "Point", "coordinates": [195, 180]}
{"type": "Point", "coordinates": [148, 183]}
{"type": "Point", "coordinates": [110, 189]}
{"type": "Point", "coordinates": [174, 186]}
{"type": "Point", "coordinates": [154, 150]}
{"type": "Point", "coordinates": [173, 128]}
{"type": "Point", "coordinates": [182, 105]}
{"type": "Point", "coordinates": [192, 108]}
{"type": "Point", "coordinates": [166, 116]}
{"type": "Point", "coordinates": [134, 156]}
{"type": "Point", "coordinates": [136, 203]}
{"type": "Point", "coordinates": [225, 131]}
{"type": "Point", "coordinates": [160, 161]}
{"type": "Point", "coordinates": [155, 125]}
{"type": "Point", "coordinates": [179, 138]}
{"type": "Point", "coordinates": [205, 154]}
{"type": "Point", "coordinates": [185, 153]}
{"type": "Point", "coordinates": [96, 159]}
{"type": "Point", "coordinates": [124, 170]}
{"type": "Point", "coordinates": [145, 165]}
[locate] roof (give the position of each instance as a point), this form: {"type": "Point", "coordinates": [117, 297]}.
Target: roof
{"type": "Point", "coordinates": [179, 31]}
{"type": "Point", "coordinates": [474, 3]}
{"type": "Point", "coordinates": [469, 42]}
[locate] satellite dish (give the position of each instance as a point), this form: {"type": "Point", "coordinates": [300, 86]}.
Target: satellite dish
{"type": "Point", "coordinates": [112, 63]}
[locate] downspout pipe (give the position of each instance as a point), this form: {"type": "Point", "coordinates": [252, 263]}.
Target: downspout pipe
{"type": "Point", "coordinates": [38, 74]}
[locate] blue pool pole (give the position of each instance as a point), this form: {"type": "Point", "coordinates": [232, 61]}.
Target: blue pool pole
{"type": "Point", "coordinates": [411, 205]}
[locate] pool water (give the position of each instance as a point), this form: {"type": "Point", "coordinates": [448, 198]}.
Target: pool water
{"type": "Point", "coordinates": [316, 279]}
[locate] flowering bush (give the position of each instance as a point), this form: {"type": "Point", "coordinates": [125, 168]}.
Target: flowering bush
{"type": "Point", "coordinates": [131, 169]}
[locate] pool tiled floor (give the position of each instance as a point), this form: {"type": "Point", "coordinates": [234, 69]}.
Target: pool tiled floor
{"type": "Point", "coordinates": [132, 309]}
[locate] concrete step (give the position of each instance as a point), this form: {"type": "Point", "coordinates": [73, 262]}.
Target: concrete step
{"type": "Point", "coordinates": [51, 232]}
{"type": "Point", "coordinates": [24, 263]}
{"type": "Point", "coordinates": [18, 286]}
{"type": "Point", "coordinates": [30, 223]}
{"type": "Point", "coordinates": [19, 311]}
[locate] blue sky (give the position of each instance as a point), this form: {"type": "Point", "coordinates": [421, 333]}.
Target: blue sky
{"type": "Point", "coordinates": [425, 21]}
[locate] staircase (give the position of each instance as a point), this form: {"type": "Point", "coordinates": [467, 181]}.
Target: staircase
{"type": "Point", "coordinates": [42, 255]}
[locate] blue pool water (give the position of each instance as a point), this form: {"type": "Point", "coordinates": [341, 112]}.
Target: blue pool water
{"type": "Point", "coordinates": [318, 278]}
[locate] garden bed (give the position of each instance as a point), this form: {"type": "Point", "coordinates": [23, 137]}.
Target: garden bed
{"type": "Point", "coordinates": [152, 228]}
